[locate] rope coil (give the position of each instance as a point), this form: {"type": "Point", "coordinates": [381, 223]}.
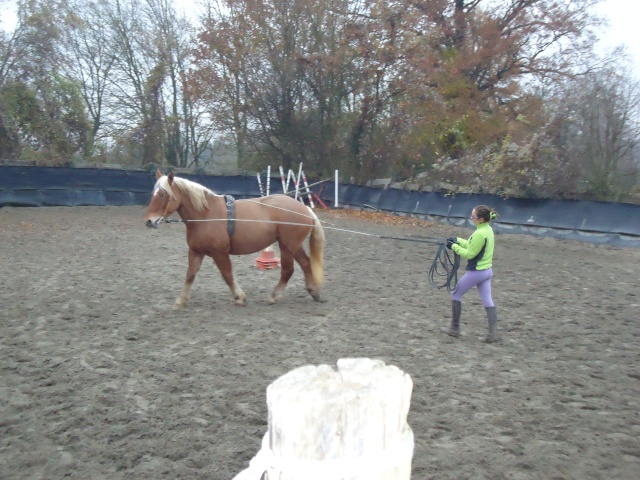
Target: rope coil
{"type": "Point", "coordinates": [444, 266]}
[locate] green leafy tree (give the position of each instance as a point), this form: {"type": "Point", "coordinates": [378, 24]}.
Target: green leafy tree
{"type": "Point", "coordinates": [42, 117]}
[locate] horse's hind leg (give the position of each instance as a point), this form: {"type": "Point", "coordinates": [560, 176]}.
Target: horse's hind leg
{"type": "Point", "coordinates": [224, 265]}
{"type": "Point", "coordinates": [303, 260]}
{"type": "Point", "coordinates": [286, 270]}
{"type": "Point", "coordinates": [195, 262]}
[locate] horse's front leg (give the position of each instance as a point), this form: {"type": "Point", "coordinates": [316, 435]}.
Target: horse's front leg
{"type": "Point", "coordinates": [195, 262]}
{"type": "Point", "coordinates": [224, 265]}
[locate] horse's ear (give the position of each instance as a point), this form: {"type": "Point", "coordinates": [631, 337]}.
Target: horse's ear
{"type": "Point", "coordinates": [170, 178]}
{"type": "Point", "coordinates": [158, 174]}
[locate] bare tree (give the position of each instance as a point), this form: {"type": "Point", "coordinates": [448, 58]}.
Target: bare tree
{"type": "Point", "coordinates": [175, 45]}
{"type": "Point", "coordinates": [91, 61]}
{"type": "Point", "coordinates": [226, 56]}
{"type": "Point", "coordinates": [130, 58]}
{"type": "Point", "coordinates": [604, 110]}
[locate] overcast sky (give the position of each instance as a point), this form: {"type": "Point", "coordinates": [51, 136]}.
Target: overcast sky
{"type": "Point", "coordinates": [623, 27]}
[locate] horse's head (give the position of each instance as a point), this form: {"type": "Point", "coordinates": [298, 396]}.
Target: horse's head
{"type": "Point", "coordinates": [163, 200]}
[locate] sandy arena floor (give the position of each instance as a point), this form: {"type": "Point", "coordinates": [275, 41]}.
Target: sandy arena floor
{"type": "Point", "coordinates": [101, 379]}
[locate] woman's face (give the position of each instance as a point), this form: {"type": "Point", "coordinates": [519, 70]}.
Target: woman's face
{"type": "Point", "coordinates": [474, 217]}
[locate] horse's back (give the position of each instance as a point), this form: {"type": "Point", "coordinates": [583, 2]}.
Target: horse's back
{"type": "Point", "coordinates": [281, 199]}
{"type": "Point", "coordinates": [265, 220]}
{"type": "Point", "coordinates": [284, 208]}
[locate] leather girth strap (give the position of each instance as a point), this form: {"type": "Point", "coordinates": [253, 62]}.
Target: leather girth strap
{"type": "Point", "coordinates": [231, 213]}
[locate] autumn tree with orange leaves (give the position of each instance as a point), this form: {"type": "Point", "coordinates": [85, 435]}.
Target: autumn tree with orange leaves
{"type": "Point", "coordinates": [385, 87]}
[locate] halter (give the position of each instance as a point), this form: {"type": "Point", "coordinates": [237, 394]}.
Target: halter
{"type": "Point", "coordinates": [161, 219]}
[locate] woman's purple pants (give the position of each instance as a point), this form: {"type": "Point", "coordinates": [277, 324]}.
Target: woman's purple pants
{"type": "Point", "coordinates": [477, 278]}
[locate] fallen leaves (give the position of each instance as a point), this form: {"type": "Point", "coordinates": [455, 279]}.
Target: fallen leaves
{"type": "Point", "coordinates": [381, 218]}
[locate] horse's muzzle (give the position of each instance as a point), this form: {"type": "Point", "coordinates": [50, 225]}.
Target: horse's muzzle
{"type": "Point", "coordinates": [151, 224]}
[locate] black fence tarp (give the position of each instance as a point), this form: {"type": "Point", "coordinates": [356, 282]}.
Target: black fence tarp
{"type": "Point", "coordinates": [49, 186]}
{"type": "Point", "coordinates": [616, 224]}
{"type": "Point", "coordinates": [597, 222]}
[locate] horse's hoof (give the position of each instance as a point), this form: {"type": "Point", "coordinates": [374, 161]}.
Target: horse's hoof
{"type": "Point", "coordinates": [239, 302]}
{"type": "Point", "coordinates": [271, 301]}
{"type": "Point", "coordinates": [178, 306]}
{"type": "Point", "coordinates": [314, 294]}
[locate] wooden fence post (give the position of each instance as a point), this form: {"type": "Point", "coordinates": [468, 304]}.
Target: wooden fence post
{"type": "Point", "coordinates": [349, 424]}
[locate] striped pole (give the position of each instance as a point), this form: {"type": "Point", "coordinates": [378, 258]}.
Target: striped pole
{"type": "Point", "coordinates": [268, 179]}
{"type": "Point", "coordinates": [260, 185]}
{"type": "Point", "coordinates": [284, 186]}
{"type": "Point", "coordinates": [290, 175]}
{"type": "Point", "coordinates": [306, 185]}
{"type": "Point", "coordinates": [292, 178]}
{"type": "Point", "coordinates": [298, 181]}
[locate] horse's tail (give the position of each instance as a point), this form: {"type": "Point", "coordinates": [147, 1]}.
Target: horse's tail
{"type": "Point", "coordinates": [316, 249]}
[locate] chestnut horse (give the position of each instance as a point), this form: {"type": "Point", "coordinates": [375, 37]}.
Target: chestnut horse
{"type": "Point", "coordinates": [220, 227]}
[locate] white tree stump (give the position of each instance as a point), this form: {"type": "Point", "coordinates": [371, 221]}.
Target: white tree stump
{"type": "Point", "coordinates": [349, 424]}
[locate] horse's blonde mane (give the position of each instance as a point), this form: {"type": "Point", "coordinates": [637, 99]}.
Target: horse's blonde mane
{"type": "Point", "coordinates": [197, 193]}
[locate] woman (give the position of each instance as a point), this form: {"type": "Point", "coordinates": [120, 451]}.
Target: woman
{"type": "Point", "coordinates": [478, 250]}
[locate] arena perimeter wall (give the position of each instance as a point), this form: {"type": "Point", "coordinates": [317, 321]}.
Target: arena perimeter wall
{"type": "Point", "coordinates": [616, 224]}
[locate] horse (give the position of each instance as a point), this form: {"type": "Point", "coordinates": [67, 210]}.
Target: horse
{"type": "Point", "coordinates": [219, 226]}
